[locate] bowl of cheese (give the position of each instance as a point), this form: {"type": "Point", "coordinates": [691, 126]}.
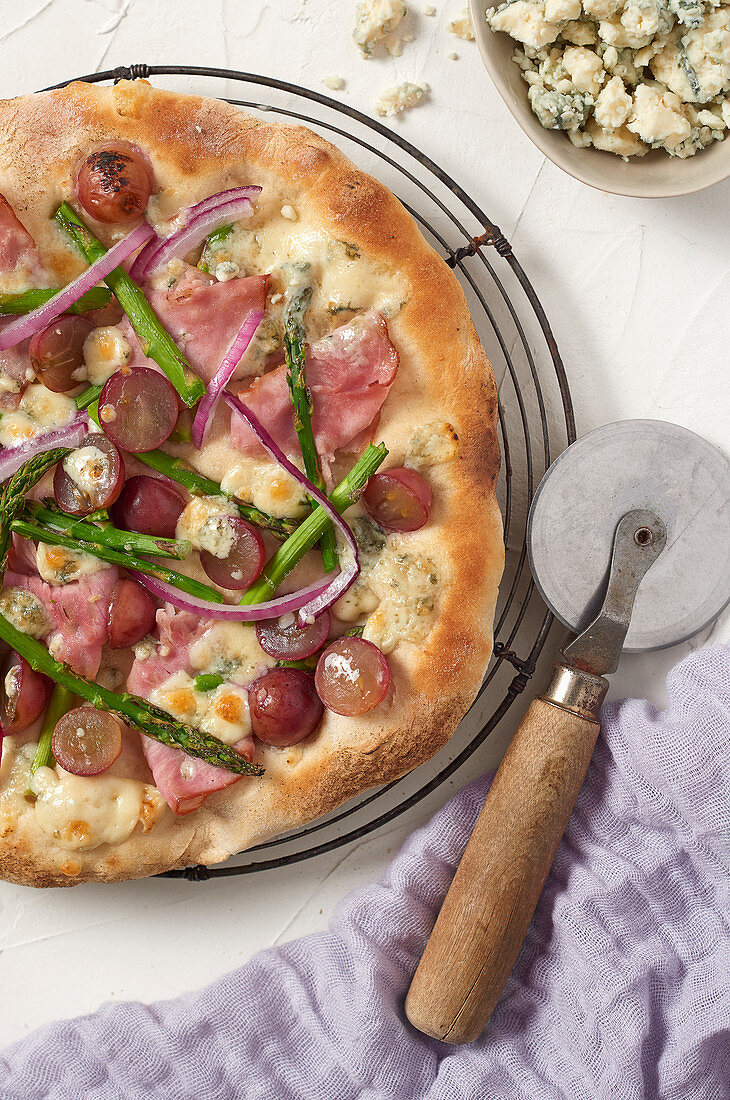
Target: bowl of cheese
{"type": "Point", "coordinates": [629, 96]}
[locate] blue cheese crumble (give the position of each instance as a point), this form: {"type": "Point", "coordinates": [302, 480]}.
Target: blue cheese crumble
{"type": "Point", "coordinates": [625, 76]}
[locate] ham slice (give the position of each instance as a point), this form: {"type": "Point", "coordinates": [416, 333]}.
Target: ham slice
{"type": "Point", "coordinates": [349, 374]}
{"type": "Point", "coordinates": [203, 317]}
{"type": "Point", "coordinates": [17, 247]}
{"type": "Point", "coordinates": [182, 780]}
{"type": "Point", "coordinates": [79, 612]}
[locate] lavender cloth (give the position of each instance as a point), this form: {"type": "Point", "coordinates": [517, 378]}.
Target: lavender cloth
{"type": "Point", "coordinates": [622, 989]}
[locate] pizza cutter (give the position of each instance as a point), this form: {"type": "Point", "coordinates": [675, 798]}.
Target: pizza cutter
{"type": "Point", "coordinates": [629, 544]}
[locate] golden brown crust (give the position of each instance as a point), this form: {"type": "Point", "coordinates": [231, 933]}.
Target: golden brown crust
{"type": "Point", "coordinates": [199, 146]}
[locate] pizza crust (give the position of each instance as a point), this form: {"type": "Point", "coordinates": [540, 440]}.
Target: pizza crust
{"type": "Point", "coordinates": [200, 146]}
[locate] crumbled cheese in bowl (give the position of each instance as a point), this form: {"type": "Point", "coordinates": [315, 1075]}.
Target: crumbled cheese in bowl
{"type": "Point", "coordinates": [625, 76]}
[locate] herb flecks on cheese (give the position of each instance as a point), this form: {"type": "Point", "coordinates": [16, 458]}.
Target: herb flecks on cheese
{"type": "Point", "coordinates": [58, 566]}
{"type": "Point", "coordinates": [223, 712]}
{"type": "Point", "coordinates": [625, 76]}
{"type": "Point", "coordinates": [230, 650]}
{"type": "Point", "coordinates": [374, 19]}
{"type": "Point", "coordinates": [431, 444]}
{"type": "Point", "coordinates": [39, 410]}
{"type": "Point", "coordinates": [25, 611]}
{"type": "Point", "coordinates": [462, 26]}
{"type": "Point", "coordinates": [407, 586]}
{"type": "Point", "coordinates": [401, 97]}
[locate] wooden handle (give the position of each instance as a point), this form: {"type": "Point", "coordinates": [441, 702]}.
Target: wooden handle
{"type": "Point", "coordinates": [493, 896]}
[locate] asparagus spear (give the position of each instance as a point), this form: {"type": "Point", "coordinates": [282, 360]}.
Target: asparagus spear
{"type": "Point", "coordinates": [96, 298]}
{"type": "Point", "coordinates": [108, 535]}
{"type": "Point", "coordinates": [38, 533]}
{"type": "Point", "coordinates": [61, 701]}
{"type": "Point", "coordinates": [13, 493]}
{"type": "Point", "coordinates": [153, 721]}
{"type": "Point", "coordinates": [294, 352]}
{"type": "Point", "coordinates": [310, 530]}
{"type": "Point", "coordinates": [156, 342]}
{"type": "Point", "coordinates": [199, 485]}
{"type": "Point", "coordinates": [87, 397]}
{"type": "Point", "coordinates": [214, 238]}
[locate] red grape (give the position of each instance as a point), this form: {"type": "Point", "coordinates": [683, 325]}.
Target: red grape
{"type": "Point", "coordinates": [103, 478]}
{"type": "Point", "coordinates": [243, 562]}
{"type": "Point", "coordinates": [138, 409]}
{"type": "Point", "coordinates": [57, 352]}
{"type": "Point", "coordinates": [398, 499]}
{"type": "Point", "coordinates": [292, 642]}
{"type": "Point", "coordinates": [131, 614]}
{"type": "Point", "coordinates": [148, 505]}
{"type": "Point", "coordinates": [86, 741]}
{"type": "Point", "coordinates": [284, 706]}
{"type": "Point", "coordinates": [23, 695]}
{"type": "Point", "coordinates": [352, 676]}
{"type": "Point", "coordinates": [114, 184]}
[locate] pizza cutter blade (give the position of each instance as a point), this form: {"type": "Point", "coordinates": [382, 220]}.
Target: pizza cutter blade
{"type": "Point", "coordinates": [648, 464]}
{"type": "Point", "coordinates": [627, 515]}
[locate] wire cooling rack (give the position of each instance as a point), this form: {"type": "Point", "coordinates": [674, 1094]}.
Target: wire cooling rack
{"type": "Point", "coordinates": [536, 419]}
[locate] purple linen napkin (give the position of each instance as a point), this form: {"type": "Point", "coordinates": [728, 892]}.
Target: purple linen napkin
{"type": "Point", "coordinates": [622, 988]}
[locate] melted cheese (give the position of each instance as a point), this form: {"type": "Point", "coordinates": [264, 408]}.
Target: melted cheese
{"type": "Point", "coordinates": [265, 485]}
{"type": "Point", "coordinates": [82, 813]}
{"type": "Point", "coordinates": [40, 410]}
{"type": "Point", "coordinates": [223, 712]}
{"type": "Point", "coordinates": [230, 650]}
{"type": "Point", "coordinates": [105, 351]}
{"type": "Point", "coordinates": [406, 585]}
{"type": "Point", "coordinates": [25, 611]}
{"type": "Point", "coordinates": [203, 524]}
{"type": "Point", "coordinates": [58, 566]}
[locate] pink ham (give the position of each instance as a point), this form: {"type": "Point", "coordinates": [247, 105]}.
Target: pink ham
{"type": "Point", "coordinates": [79, 612]}
{"type": "Point", "coordinates": [203, 317]}
{"type": "Point", "coordinates": [177, 631]}
{"type": "Point", "coordinates": [17, 247]}
{"type": "Point", "coordinates": [349, 374]}
{"type": "Point", "coordinates": [182, 780]}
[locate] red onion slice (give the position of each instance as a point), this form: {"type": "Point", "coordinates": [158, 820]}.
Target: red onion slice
{"type": "Point", "coordinates": [199, 221]}
{"type": "Point", "coordinates": [12, 458]}
{"type": "Point", "coordinates": [349, 572]}
{"type": "Point", "coordinates": [24, 327]}
{"type": "Point", "coordinates": [222, 376]}
{"type": "Point", "coordinates": [240, 613]}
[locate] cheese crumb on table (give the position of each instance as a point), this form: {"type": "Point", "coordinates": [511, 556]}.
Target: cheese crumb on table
{"type": "Point", "coordinates": [374, 19]}
{"type": "Point", "coordinates": [625, 76]}
{"type": "Point", "coordinates": [429, 10]}
{"type": "Point", "coordinates": [462, 26]}
{"type": "Point", "coordinates": [333, 82]}
{"type": "Point", "coordinates": [399, 98]}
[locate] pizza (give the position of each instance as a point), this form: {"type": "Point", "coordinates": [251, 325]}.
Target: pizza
{"type": "Point", "coordinates": [249, 536]}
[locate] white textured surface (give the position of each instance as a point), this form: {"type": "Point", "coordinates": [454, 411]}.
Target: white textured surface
{"type": "Point", "coordinates": [637, 294]}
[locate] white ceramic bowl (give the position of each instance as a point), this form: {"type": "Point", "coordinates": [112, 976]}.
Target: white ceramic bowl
{"type": "Point", "coordinates": [657, 175]}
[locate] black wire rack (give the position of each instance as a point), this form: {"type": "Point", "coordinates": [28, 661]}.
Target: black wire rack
{"type": "Point", "coordinates": [536, 420]}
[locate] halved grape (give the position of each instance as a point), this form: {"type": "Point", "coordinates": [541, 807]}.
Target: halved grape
{"type": "Point", "coordinates": [352, 676]}
{"type": "Point", "coordinates": [86, 741]}
{"type": "Point", "coordinates": [114, 184]}
{"type": "Point", "coordinates": [149, 505]}
{"type": "Point", "coordinates": [284, 639]}
{"type": "Point", "coordinates": [90, 478]}
{"type": "Point", "coordinates": [398, 499]}
{"type": "Point", "coordinates": [244, 551]}
{"type": "Point", "coordinates": [138, 409]}
{"type": "Point", "coordinates": [57, 352]}
{"type": "Point", "coordinates": [131, 614]}
{"type": "Point", "coordinates": [284, 706]}
{"type": "Point", "coordinates": [23, 695]}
